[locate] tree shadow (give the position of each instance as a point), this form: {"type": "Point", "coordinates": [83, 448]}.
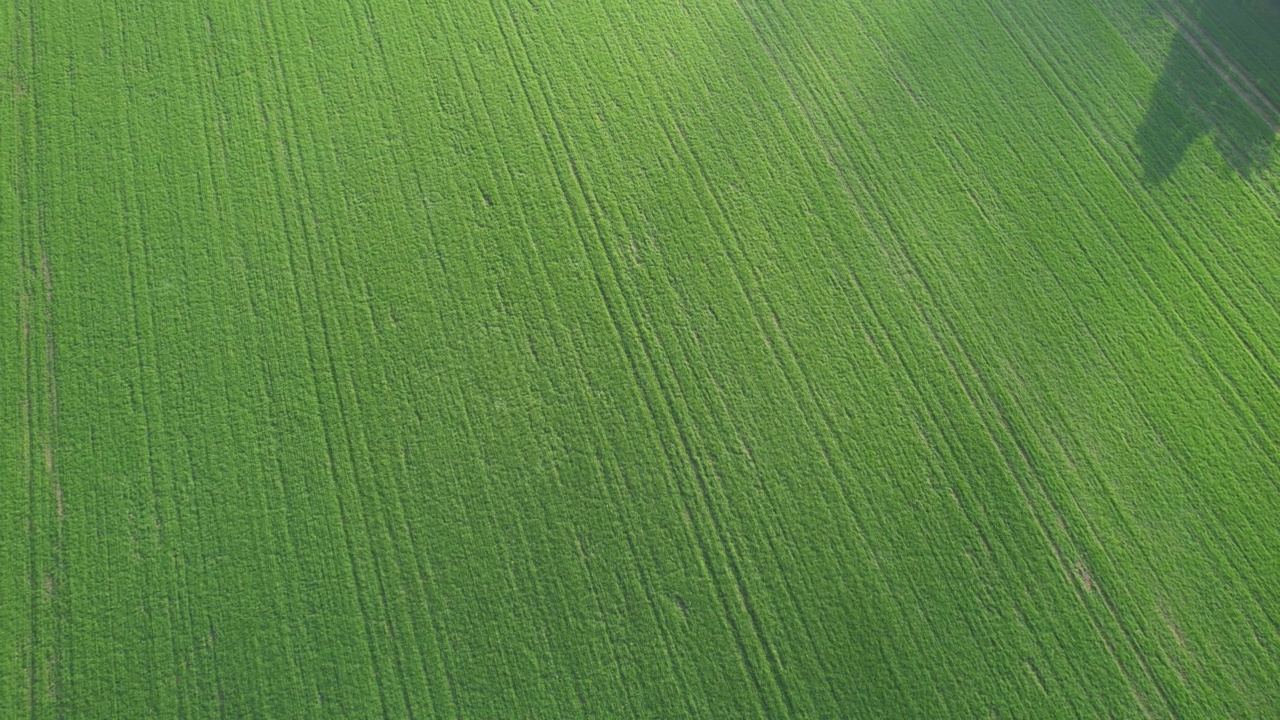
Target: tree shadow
{"type": "Point", "coordinates": [1221, 78]}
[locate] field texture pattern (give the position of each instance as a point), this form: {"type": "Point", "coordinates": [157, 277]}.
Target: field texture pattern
{"type": "Point", "coordinates": [639, 358]}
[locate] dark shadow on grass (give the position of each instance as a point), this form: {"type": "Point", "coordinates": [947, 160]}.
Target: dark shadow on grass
{"type": "Point", "coordinates": [1221, 78]}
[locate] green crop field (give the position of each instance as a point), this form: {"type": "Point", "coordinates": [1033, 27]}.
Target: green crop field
{"type": "Point", "coordinates": [639, 359]}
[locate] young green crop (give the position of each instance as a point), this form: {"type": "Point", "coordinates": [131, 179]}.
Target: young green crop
{"type": "Point", "coordinates": [636, 359]}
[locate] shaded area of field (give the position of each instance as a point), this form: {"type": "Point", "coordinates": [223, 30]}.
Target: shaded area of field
{"type": "Point", "coordinates": [1221, 79]}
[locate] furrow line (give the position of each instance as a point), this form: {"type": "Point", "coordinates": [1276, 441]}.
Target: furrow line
{"type": "Point", "coordinates": [23, 69]}
{"type": "Point", "coordinates": [45, 502]}
{"type": "Point", "coordinates": [1235, 395]}
{"type": "Point", "coordinates": [723, 228]}
{"type": "Point", "coordinates": [1179, 460]}
{"type": "Point", "coordinates": [987, 396]}
{"type": "Point", "coordinates": [421, 203]}
{"type": "Point", "coordinates": [881, 324]}
{"type": "Point", "coordinates": [1054, 506]}
{"type": "Point", "coordinates": [977, 401]}
{"type": "Point", "coordinates": [334, 473]}
{"type": "Point", "coordinates": [345, 274]}
{"type": "Point", "coordinates": [1187, 337]}
{"type": "Point", "coordinates": [1174, 450]}
{"type": "Point", "coordinates": [1220, 63]}
{"type": "Point", "coordinates": [619, 501]}
{"type": "Point", "coordinates": [1222, 291]}
{"type": "Point", "coordinates": [905, 366]}
{"type": "Point", "coordinates": [217, 156]}
{"type": "Point", "coordinates": [674, 416]}
{"type": "Point", "coordinates": [567, 198]}
{"type": "Point", "coordinates": [636, 370]}
{"type": "Point", "coordinates": [1107, 602]}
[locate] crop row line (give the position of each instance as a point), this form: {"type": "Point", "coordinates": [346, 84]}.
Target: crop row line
{"type": "Point", "coordinates": [670, 415]}
{"type": "Point", "coordinates": [984, 394]}
{"type": "Point", "coordinates": [1249, 420]}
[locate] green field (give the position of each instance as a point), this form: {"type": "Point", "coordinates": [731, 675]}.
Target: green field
{"type": "Point", "coordinates": [639, 359]}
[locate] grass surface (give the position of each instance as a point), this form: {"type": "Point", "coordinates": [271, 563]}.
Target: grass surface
{"type": "Point", "coordinates": [607, 358]}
